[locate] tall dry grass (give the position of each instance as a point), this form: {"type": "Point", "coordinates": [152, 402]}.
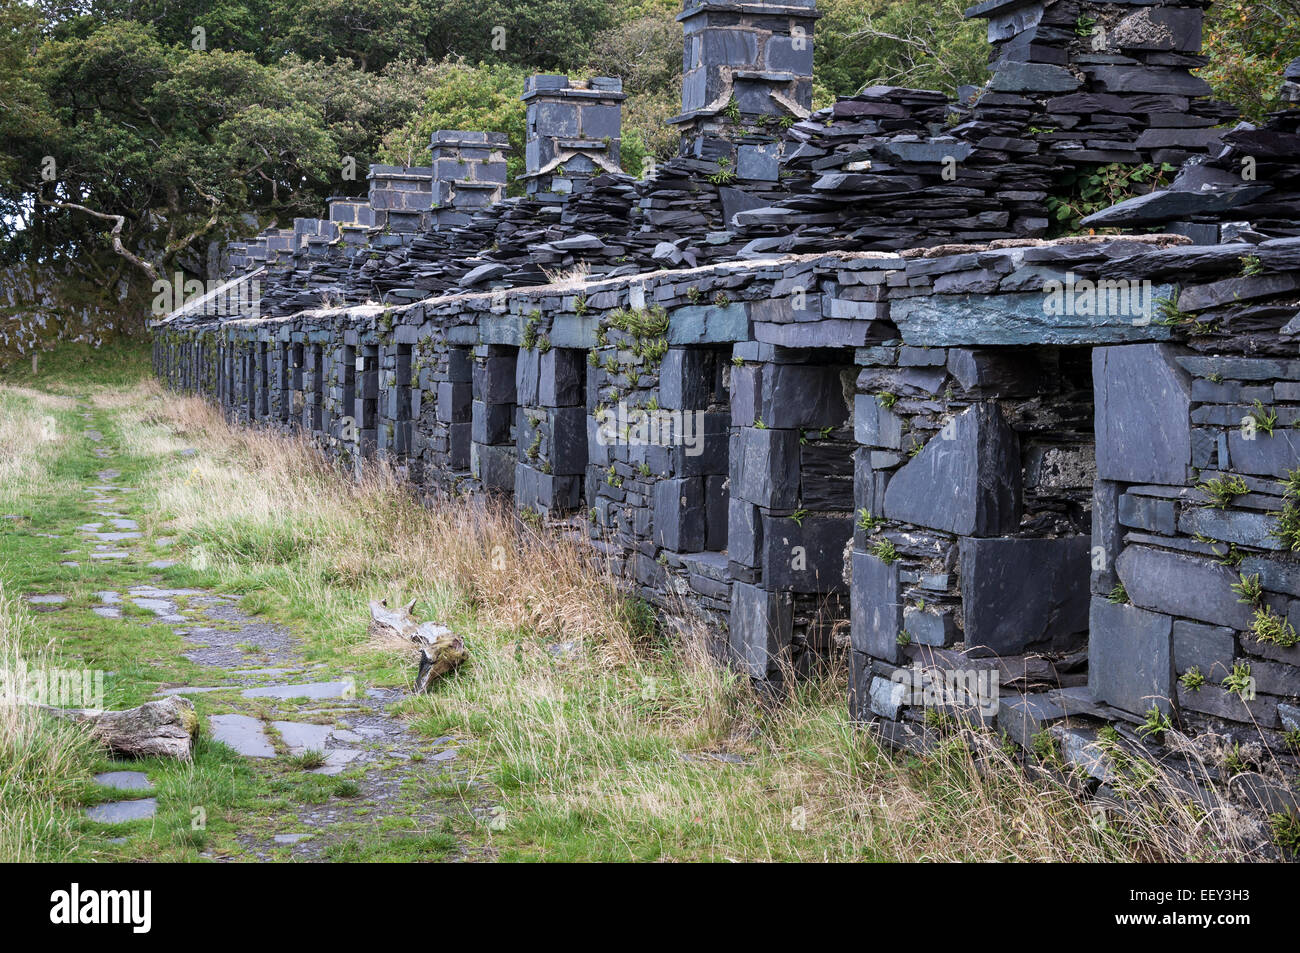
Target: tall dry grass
{"type": "Point", "coordinates": [41, 760]}
{"type": "Point", "coordinates": [602, 740]}
{"type": "Point", "coordinates": [29, 429]}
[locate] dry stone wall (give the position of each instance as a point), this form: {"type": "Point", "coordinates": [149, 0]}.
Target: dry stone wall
{"type": "Point", "coordinates": [1044, 485]}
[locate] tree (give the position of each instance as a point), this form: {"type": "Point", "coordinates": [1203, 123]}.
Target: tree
{"type": "Point", "coordinates": [482, 98]}
{"type": "Point", "coordinates": [1249, 44]}
{"type": "Point", "coordinates": [896, 42]}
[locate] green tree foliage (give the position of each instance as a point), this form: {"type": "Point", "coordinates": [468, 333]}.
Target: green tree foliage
{"type": "Point", "coordinates": [1249, 43]}
{"type": "Point", "coordinates": [194, 121]}
{"type": "Point", "coordinates": [925, 45]}
{"type": "Point", "coordinates": [460, 96]}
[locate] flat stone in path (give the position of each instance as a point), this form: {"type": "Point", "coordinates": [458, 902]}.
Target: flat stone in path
{"type": "Point", "coordinates": [312, 690]}
{"type": "Point", "coordinates": [302, 736]}
{"type": "Point", "coordinates": [289, 838]}
{"type": "Point", "coordinates": [189, 690]}
{"type": "Point", "coordinates": [125, 780]}
{"type": "Point", "coordinates": [47, 600]}
{"type": "Point", "coordinates": [118, 811]}
{"type": "Point", "coordinates": [242, 733]}
{"type": "Point", "coordinates": [110, 555]}
{"type": "Point", "coordinates": [336, 759]}
{"type": "Point", "coordinates": [162, 564]}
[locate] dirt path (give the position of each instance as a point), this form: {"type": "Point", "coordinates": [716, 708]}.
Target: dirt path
{"type": "Point", "coordinates": [346, 777]}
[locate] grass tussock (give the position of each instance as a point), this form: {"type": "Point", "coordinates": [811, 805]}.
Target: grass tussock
{"type": "Point", "coordinates": [601, 736]}
{"type": "Point", "coordinates": [43, 762]}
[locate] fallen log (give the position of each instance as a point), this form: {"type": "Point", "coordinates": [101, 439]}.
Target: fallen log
{"type": "Point", "coordinates": [161, 729]}
{"type": "Point", "coordinates": [439, 650]}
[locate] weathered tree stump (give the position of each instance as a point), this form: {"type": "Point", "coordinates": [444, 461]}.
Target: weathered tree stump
{"type": "Point", "coordinates": [439, 650]}
{"type": "Point", "coordinates": [163, 729]}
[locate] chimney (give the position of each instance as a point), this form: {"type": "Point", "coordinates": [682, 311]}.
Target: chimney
{"type": "Point", "coordinates": [573, 130]}
{"type": "Point", "coordinates": [469, 173]}
{"type": "Point", "coordinates": [401, 197]}
{"type": "Point", "coordinates": [746, 67]}
{"type": "Point", "coordinates": [352, 216]}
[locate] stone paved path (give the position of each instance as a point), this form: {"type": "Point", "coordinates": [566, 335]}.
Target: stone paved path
{"type": "Point", "coordinates": [284, 713]}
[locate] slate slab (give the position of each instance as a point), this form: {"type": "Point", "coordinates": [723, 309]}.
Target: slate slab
{"type": "Point", "coordinates": [242, 733]}
{"type": "Point", "coordinates": [116, 812]}
{"type": "Point", "coordinates": [967, 485]}
{"type": "Point", "coordinates": [1021, 593]}
{"type": "Point", "coordinates": [1129, 657]}
{"type": "Point", "coordinates": [1143, 403]}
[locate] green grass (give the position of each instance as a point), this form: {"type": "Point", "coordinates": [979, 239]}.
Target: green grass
{"type": "Point", "coordinates": [599, 754]}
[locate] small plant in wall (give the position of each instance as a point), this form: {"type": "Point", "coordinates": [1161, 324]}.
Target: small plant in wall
{"type": "Point", "coordinates": [886, 399]}
{"type": "Point", "coordinates": [1223, 490]}
{"type": "Point", "coordinates": [1286, 526]}
{"type": "Point", "coordinates": [1046, 749]}
{"type": "Point", "coordinates": [904, 638]}
{"type": "Point", "coordinates": [1269, 627]}
{"type": "Point", "coordinates": [885, 551]}
{"type": "Point", "coordinates": [1251, 265]}
{"type": "Point", "coordinates": [1264, 418]}
{"type": "Point", "coordinates": [798, 515]}
{"type": "Point", "coordinates": [726, 173]}
{"type": "Point", "coordinates": [1192, 679]}
{"type": "Point", "coordinates": [1118, 595]}
{"type": "Point", "coordinates": [530, 330]}
{"type": "Point", "coordinates": [866, 522]}
{"type": "Point", "coordinates": [1239, 681]}
{"type": "Point", "coordinates": [1285, 826]}
{"type": "Point", "coordinates": [1156, 724]}
{"type": "Point", "coordinates": [1250, 590]}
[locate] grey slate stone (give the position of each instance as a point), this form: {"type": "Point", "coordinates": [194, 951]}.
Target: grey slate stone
{"type": "Point", "coordinates": [1023, 716]}
{"type": "Point", "coordinates": [679, 515]}
{"type": "Point", "coordinates": [1143, 400]}
{"type": "Point", "coordinates": [887, 697]}
{"type": "Point", "coordinates": [1209, 648]}
{"type": "Point", "coordinates": [875, 426]}
{"type": "Point", "coordinates": [761, 627]}
{"type": "Point", "coordinates": [765, 465]}
{"type": "Point", "coordinates": [1230, 526]}
{"type": "Point", "coordinates": [1265, 455]}
{"type": "Point", "coordinates": [1182, 585]}
{"type": "Point", "coordinates": [1005, 319]}
{"type": "Point", "coordinates": [802, 395]}
{"type": "Point", "coordinates": [807, 556]}
{"type": "Point", "coordinates": [969, 485]}
{"type": "Point", "coordinates": [1020, 593]}
{"type": "Point", "coordinates": [1129, 657]}
{"type": "Point", "coordinates": [1032, 78]}
{"type": "Point", "coordinates": [877, 611]}
{"type": "Point", "coordinates": [930, 628]}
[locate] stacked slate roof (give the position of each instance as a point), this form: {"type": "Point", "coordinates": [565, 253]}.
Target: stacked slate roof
{"type": "Point", "coordinates": [1074, 84]}
{"type": "Point", "coordinates": [1250, 190]}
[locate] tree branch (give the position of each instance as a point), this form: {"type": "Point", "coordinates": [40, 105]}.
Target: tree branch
{"type": "Point", "coordinates": [116, 234]}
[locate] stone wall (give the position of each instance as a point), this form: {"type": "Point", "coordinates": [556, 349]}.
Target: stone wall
{"type": "Point", "coordinates": [1045, 485]}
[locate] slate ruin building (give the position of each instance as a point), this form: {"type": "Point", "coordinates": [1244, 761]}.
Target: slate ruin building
{"type": "Point", "coordinates": [824, 379]}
